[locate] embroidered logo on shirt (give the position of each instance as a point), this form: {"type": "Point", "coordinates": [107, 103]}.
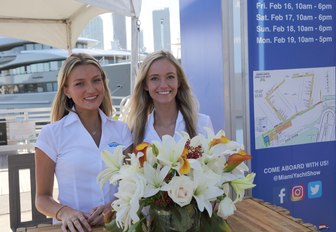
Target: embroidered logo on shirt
{"type": "Point", "coordinates": [113, 144]}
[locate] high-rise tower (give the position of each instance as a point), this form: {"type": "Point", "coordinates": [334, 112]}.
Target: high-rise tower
{"type": "Point", "coordinates": [161, 29]}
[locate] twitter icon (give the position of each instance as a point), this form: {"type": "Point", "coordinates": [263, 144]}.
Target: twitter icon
{"type": "Point", "coordinates": [314, 189]}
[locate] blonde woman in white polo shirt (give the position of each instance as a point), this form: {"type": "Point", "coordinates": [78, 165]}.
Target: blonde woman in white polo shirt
{"type": "Point", "coordinates": [162, 101]}
{"type": "Point", "coordinates": [70, 147]}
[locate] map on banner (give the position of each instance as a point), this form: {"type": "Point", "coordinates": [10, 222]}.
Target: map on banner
{"type": "Point", "coordinates": [294, 106]}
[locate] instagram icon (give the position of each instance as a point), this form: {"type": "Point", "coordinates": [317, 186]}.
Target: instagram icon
{"type": "Point", "coordinates": [297, 193]}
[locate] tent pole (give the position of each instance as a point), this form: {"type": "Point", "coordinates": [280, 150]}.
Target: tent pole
{"type": "Point", "coordinates": [69, 35]}
{"type": "Point", "coordinates": [134, 50]}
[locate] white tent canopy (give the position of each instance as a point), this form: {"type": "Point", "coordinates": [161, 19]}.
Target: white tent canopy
{"type": "Point", "coordinates": [59, 23]}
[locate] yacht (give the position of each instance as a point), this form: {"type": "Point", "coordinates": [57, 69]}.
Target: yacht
{"type": "Point", "coordinates": [28, 71]}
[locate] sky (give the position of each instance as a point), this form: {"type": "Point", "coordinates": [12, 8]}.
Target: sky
{"type": "Point", "coordinates": [146, 24]}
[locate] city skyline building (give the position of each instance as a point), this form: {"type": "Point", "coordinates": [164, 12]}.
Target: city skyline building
{"type": "Point", "coordinates": [117, 29]}
{"type": "Point", "coordinates": [161, 29]}
{"type": "Point", "coordinates": [142, 47]}
{"type": "Point", "coordinates": [94, 30]}
{"type": "Point", "coordinates": [119, 32]}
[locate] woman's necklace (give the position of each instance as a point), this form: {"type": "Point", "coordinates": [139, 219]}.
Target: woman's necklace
{"type": "Point", "coordinates": [96, 130]}
{"type": "Point", "coordinates": [93, 127]}
{"type": "Point", "coordinates": [96, 134]}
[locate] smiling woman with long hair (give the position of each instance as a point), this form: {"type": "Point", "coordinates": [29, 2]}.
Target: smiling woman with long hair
{"type": "Point", "coordinates": [70, 147]}
{"type": "Point", "coordinates": [162, 101]}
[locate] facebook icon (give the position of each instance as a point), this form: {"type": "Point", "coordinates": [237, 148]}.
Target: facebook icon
{"type": "Point", "coordinates": [282, 195]}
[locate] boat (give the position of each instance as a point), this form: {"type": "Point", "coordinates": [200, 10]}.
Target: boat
{"type": "Point", "coordinates": [28, 71]}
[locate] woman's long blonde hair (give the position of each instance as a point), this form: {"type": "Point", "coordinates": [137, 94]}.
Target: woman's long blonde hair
{"type": "Point", "coordinates": [141, 104]}
{"type": "Point", "coordinates": [62, 105]}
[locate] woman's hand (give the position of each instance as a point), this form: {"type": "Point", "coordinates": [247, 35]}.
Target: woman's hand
{"type": "Point", "coordinates": [96, 217]}
{"type": "Point", "coordinates": [73, 220]}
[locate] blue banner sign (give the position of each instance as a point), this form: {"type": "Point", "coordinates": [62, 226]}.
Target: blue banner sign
{"type": "Point", "coordinates": [292, 60]}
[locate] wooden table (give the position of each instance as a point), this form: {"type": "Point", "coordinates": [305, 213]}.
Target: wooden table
{"type": "Point", "coordinates": [252, 215]}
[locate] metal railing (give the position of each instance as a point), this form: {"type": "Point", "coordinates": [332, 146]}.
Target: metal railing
{"type": "Point", "coordinates": [22, 126]}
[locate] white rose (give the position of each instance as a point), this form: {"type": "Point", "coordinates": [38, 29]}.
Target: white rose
{"type": "Point", "coordinates": [180, 189]}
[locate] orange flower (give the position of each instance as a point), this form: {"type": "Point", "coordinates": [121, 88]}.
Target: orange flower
{"type": "Point", "coordinates": [216, 141]}
{"type": "Point", "coordinates": [185, 165]}
{"type": "Point", "coordinates": [236, 159]}
{"type": "Point", "coordinates": [142, 147]}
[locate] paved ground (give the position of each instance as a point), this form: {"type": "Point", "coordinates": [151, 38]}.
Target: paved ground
{"type": "Point", "coordinates": [4, 213]}
{"type": "Point", "coordinates": [25, 198]}
{"type": "Point", "coordinates": [4, 199]}
{"type": "Point", "coordinates": [4, 210]}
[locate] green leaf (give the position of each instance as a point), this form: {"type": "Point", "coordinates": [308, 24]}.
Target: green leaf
{"type": "Point", "coordinates": [155, 150]}
{"type": "Point", "coordinates": [112, 226]}
{"type": "Point", "coordinates": [214, 224]}
{"type": "Point", "coordinates": [138, 227]}
{"type": "Point", "coordinates": [190, 218]}
{"type": "Point", "coordinates": [175, 218]}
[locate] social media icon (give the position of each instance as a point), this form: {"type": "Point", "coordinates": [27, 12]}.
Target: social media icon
{"type": "Point", "coordinates": [297, 193]}
{"type": "Point", "coordinates": [282, 195]}
{"type": "Point", "coordinates": [314, 189]}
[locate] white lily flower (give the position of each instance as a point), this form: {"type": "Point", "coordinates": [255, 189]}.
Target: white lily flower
{"type": "Point", "coordinates": [195, 164]}
{"type": "Point", "coordinates": [150, 157]}
{"type": "Point", "coordinates": [211, 133]}
{"type": "Point", "coordinates": [206, 189]}
{"type": "Point", "coordinates": [226, 208]}
{"type": "Point", "coordinates": [134, 160]}
{"type": "Point", "coordinates": [113, 162]}
{"type": "Point", "coordinates": [242, 167]}
{"type": "Point", "coordinates": [131, 190]}
{"type": "Point", "coordinates": [170, 151]}
{"type": "Point", "coordinates": [183, 134]}
{"type": "Point", "coordinates": [200, 170]}
{"type": "Point", "coordinates": [227, 189]}
{"type": "Point", "coordinates": [204, 142]}
{"type": "Point", "coordinates": [240, 185]}
{"type": "Point", "coordinates": [228, 177]}
{"type": "Point", "coordinates": [197, 140]}
{"type": "Point", "coordinates": [225, 148]}
{"type": "Point", "coordinates": [216, 164]}
{"type": "Point", "coordinates": [155, 179]}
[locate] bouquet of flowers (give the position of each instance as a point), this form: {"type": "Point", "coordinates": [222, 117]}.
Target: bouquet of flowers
{"type": "Point", "coordinates": [188, 185]}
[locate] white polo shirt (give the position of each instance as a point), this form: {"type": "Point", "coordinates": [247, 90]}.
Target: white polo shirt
{"type": "Point", "coordinates": [78, 159]}
{"type": "Point", "coordinates": [151, 134]}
